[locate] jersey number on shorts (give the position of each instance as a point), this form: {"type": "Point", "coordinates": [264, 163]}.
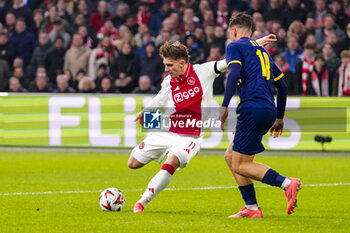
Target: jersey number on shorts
{"type": "Point", "coordinates": [265, 63]}
{"type": "Point", "coordinates": [191, 147]}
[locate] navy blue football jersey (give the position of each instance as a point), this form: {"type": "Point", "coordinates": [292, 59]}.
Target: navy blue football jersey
{"type": "Point", "coordinates": [258, 73]}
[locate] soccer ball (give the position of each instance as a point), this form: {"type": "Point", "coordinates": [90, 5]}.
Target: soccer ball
{"type": "Point", "coordinates": [111, 199]}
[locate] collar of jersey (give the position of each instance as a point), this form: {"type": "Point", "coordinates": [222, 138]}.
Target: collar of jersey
{"type": "Point", "coordinates": [187, 73]}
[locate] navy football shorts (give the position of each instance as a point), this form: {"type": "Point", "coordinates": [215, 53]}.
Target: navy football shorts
{"type": "Point", "coordinates": [252, 125]}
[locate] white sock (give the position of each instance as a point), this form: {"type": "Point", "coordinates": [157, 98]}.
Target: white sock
{"type": "Point", "coordinates": [157, 184]}
{"type": "Point", "coordinates": [285, 184]}
{"type": "Point", "coordinates": [252, 207]}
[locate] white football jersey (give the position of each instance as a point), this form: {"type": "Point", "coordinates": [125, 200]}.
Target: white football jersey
{"type": "Point", "coordinates": [184, 97]}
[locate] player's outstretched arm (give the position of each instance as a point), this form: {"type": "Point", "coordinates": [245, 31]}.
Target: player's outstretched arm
{"type": "Point", "coordinates": [157, 102]}
{"type": "Point", "coordinates": [220, 66]}
{"type": "Point", "coordinates": [139, 118]}
{"type": "Point", "coordinates": [267, 39]}
{"type": "Point", "coordinates": [277, 128]}
{"type": "Point", "coordinates": [231, 85]}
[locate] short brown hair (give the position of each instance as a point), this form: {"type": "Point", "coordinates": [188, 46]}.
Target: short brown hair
{"type": "Point", "coordinates": [174, 50]}
{"type": "Point", "coordinates": [241, 20]}
{"type": "Point", "coordinates": [344, 54]}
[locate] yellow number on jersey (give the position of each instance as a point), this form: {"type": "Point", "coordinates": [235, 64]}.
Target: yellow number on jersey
{"type": "Point", "coordinates": [265, 64]}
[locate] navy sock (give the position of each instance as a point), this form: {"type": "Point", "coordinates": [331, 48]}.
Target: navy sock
{"type": "Point", "coordinates": [248, 194]}
{"type": "Point", "coordinates": [272, 178]}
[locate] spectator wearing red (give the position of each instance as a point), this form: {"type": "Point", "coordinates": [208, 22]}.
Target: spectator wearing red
{"type": "Point", "coordinates": [320, 77]}
{"type": "Point", "coordinates": [222, 13]}
{"type": "Point", "coordinates": [103, 54]}
{"type": "Point", "coordinates": [143, 14]}
{"type": "Point", "coordinates": [341, 85]}
{"type": "Point", "coordinates": [208, 17]}
{"type": "Point", "coordinates": [109, 30]}
{"type": "Point", "coordinates": [320, 11]}
{"type": "Point", "coordinates": [47, 24]}
{"type": "Point", "coordinates": [98, 18]}
{"type": "Point", "coordinates": [305, 68]}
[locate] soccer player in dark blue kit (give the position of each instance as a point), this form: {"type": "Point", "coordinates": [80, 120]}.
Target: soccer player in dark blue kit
{"type": "Point", "coordinates": [253, 73]}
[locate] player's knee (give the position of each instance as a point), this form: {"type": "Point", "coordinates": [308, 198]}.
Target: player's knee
{"type": "Point", "coordinates": [174, 161]}
{"type": "Point", "coordinates": [133, 163]}
{"type": "Point", "coordinates": [238, 168]}
{"type": "Point", "coordinates": [228, 158]}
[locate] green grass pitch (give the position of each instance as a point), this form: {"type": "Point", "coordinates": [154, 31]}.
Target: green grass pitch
{"type": "Point", "coordinates": [25, 176]}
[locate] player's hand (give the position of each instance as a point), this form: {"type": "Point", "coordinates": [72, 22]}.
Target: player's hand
{"type": "Point", "coordinates": [268, 39]}
{"type": "Point", "coordinates": [223, 117]}
{"type": "Point", "coordinates": [139, 118]}
{"type": "Point", "coordinates": [277, 128]}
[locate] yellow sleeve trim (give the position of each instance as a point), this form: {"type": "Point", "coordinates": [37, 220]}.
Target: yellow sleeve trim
{"type": "Point", "coordinates": [234, 61]}
{"type": "Point", "coordinates": [278, 78]}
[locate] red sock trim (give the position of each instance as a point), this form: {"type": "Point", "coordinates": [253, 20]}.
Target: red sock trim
{"type": "Point", "coordinates": [168, 168]}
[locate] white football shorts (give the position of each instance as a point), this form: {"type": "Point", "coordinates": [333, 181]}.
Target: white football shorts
{"type": "Point", "coordinates": [155, 146]}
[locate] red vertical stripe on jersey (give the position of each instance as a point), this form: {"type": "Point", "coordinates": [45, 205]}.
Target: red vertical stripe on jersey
{"type": "Point", "coordinates": [187, 94]}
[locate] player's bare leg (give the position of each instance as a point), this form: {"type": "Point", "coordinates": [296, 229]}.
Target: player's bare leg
{"type": "Point", "coordinates": [134, 163]}
{"type": "Point", "coordinates": [245, 166]}
{"type": "Point", "coordinates": [159, 182]}
{"type": "Point", "coordinates": [246, 188]}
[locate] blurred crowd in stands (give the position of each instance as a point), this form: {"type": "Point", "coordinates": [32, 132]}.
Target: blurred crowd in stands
{"type": "Point", "coordinates": [87, 46]}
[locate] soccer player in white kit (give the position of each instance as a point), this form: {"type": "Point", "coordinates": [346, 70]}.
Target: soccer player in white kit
{"type": "Point", "coordinates": [185, 87]}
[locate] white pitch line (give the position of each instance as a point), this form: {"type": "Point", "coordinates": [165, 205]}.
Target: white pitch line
{"type": "Point", "coordinates": [168, 189]}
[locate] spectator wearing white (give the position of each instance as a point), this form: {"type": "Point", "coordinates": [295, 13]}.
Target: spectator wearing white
{"type": "Point", "coordinates": [108, 29]}
{"type": "Point", "coordinates": [341, 85]}
{"type": "Point", "coordinates": [103, 54]}
{"type": "Point", "coordinates": [77, 57]}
